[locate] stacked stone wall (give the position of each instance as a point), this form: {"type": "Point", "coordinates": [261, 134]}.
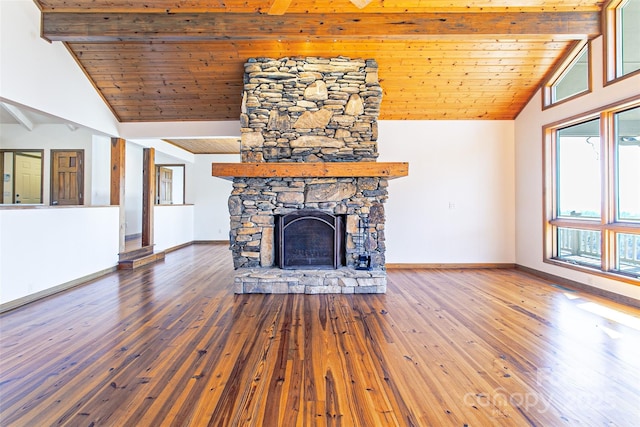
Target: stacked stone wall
{"type": "Point", "coordinates": [310, 110]}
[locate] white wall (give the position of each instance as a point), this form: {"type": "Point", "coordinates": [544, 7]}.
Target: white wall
{"type": "Point", "coordinates": [173, 226]}
{"type": "Point", "coordinates": [211, 217]}
{"type": "Point", "coordinates": [448, 163]}
{"type": "Point", "coordinates": [100, 170]}
{"type": "Point", "coordinates": [42, 75]}
{"type": "Point", "coordinates": [529, 166]}
{"type": "Point", "coordinates": [457, 204]}
{"type": "Point", "coordinates": [169, 130]}
{"type": "Point", "coordinates": [45, 247]}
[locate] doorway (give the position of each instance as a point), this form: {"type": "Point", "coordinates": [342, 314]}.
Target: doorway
{"type": "Point", "coordinates": [21, 172]}
{"type": "Point", "coordinates": [67, 177]}
{"type": "Point", "coordinates": [28, 178]}
{"type": "Point", "coordinates": [122, 170]}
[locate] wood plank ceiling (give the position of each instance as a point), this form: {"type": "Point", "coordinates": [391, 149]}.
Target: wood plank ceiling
{"type": "Point", "coordinates": [178, 60]}
{"type": "Point", "coordinates": [208, 145]}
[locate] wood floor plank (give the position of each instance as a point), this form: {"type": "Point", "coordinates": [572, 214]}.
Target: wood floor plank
{"type": "Point", "coordinates": [171, 345]}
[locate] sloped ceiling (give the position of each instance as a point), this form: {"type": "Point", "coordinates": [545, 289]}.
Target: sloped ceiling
{"type": "Point", "coordinates": [171, 60]}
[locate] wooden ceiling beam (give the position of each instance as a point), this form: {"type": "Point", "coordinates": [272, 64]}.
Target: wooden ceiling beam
{"type": "Point", "coordinates": [114, 27]}
{"type": "Point", "coordinates": [279, 7]}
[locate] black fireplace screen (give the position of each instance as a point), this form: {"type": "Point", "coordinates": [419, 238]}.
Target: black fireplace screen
{"type": "Point", "coordinates": [309, 239]}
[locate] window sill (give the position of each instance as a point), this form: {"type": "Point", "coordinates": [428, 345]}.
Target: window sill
{"type": "Point", "coordinates": [632, 280]}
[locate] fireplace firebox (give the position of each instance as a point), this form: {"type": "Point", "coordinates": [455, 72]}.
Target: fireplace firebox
{"type": "Point", "coordinates": [310, 239]}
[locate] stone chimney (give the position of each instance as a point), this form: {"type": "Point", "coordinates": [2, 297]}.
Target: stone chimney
{"type": "Point", "coordinates": [298, 115]}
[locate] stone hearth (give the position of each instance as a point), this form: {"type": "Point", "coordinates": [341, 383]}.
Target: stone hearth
{"type": "Point", "coordinates": [296, 112]}
{"type": "Point", "coordinates": [343, 280]}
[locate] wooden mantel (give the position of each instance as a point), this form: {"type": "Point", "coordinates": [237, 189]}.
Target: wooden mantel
{"type": "Point", "coordinates": [310, 170]}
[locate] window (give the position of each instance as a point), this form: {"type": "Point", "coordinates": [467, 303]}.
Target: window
{"type": "Point", "coordinates": [21, 176]}
{"type": "Point", "coordinates": [578, 169]}
{"type": "Point", "coordinates": [593, 208]}
{"type": "Point", "coordinates": [623, 38]}
{"type": "Point", "coordinates": [571, 79]}
{"type": "Point", "coordinates": [627, 141]}
{"type": "Point", "coordinates": [170, 184]}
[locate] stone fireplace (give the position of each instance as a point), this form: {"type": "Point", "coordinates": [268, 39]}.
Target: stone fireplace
{"type": "Point", "coordinates": [307, 205]}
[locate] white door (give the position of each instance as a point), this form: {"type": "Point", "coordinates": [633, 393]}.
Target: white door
{"type": "Point", "coordinates": [28, 176]}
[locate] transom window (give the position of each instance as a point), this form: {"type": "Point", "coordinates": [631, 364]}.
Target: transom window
{"type": "Point", "coordinates": [593, 206]}
{"type": "Point", "coordinates": [622, 38]}
{"type": "Point", "coordinates": [571, 79]}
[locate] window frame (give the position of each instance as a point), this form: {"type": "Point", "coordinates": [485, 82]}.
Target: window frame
{"type": "Point", "coordinates": [607, 224]}
{"type": "Point", "coordinates": [13, 182]}
{"type": "Point", "coordinates": [562, 68]}
{"type": "Point", "coordinates": [612, 29]}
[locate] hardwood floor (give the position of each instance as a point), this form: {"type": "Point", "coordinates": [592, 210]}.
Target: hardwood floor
{"type": "Point", "coordinates": [170, 344]}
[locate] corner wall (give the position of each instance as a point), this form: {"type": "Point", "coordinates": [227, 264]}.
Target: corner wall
{"type": "Point", "coordinates": [457, 204]}
{"type": "Point", "coordinates": [529, 168]}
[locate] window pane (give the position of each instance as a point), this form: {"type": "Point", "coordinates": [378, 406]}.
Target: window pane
{"type": "Point", "coordinates": [579, 246]}
{"type": "Point", "coordinates": [629, 38]}
{"type": "Point", "coordinates": [627, 125]}
{"type": "Point", "coordinates": [628, 258]}
{"type": "Point", "coordinates": [579, 176]}
{"type": "Point", "coordinates": [574, 80]}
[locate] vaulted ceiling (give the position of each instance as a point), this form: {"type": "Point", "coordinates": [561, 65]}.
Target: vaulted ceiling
{"type": "Point", "coordinates": [179, 60]}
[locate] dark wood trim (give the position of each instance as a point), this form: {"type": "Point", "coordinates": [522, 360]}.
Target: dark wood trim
{"type": "Point", "coordinates": [141, 261]}
{"type": "Point", "coordinates": [148, 195]}
{"type": "Point", "coordinates": [175, 248]}
{"type": "Point", "coordinates": [116, 195]}
{"type": "Point", "coordinates": [211, 26]}
{"type": "Point", "coordinates": [118, 147]}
